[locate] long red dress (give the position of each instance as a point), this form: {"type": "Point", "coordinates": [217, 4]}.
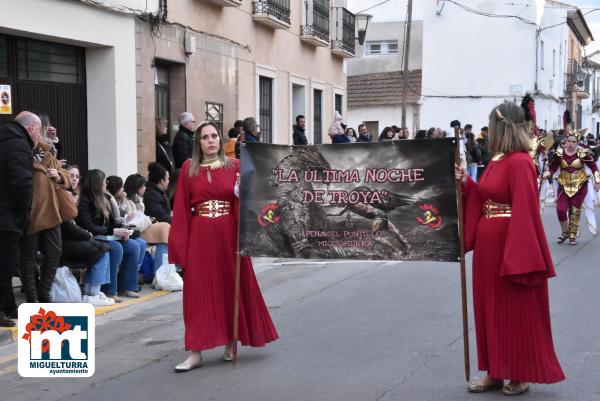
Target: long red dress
{"type": "Point", "coordinates": [205, 247]}
{"type": "Point", "coordinates": [511, 265]}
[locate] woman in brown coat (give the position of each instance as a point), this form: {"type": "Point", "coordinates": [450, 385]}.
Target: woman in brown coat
{"type": "Point", "coordinates": [43, 232]}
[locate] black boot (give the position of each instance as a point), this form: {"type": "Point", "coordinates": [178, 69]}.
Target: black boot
{"type": "Point", "coordinates": [29, 283]}
{"type": "Point", "coordinates": [5, 321]}
{"type": "Point", "coordinates": [45, 284]}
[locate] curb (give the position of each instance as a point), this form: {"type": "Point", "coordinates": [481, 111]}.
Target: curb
{"type": "Point", "coordinates": [8, 335]}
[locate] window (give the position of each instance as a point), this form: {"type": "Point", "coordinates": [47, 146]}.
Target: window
{"type": "Point", "coordinates": [52, 62]}
{"type": "Point", "coordinates": [265, 90]}
{"type": "Point", "coordinates": [161, 92]}
{"type": "Point", "coordinates": [3, 58]}
{"type": "Point", "coordinates": [381, 47]}
{"type": "Point", "coordinates": [542, 55]}
{"type": "Point", "coordinates": [553, 62]}
{"type": "Point", "coordinates": [214, 114]}
{"type": "Point", "coordinates": [339, 103]}
{"type": "Point", "coordinates": [318, 116]}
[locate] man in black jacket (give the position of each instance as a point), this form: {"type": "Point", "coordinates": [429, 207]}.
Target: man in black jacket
{"type": "Point", "coordinates": [164, 150]}
{"type": "Point", "coordinates": [299, 134]}
{"type": "Point", "coordinates": [16, 191]}
{"type": "Point", "coordinates": [183, 144]}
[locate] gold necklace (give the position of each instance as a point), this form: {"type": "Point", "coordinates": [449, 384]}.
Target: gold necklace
{"type": "Point", "coordinates": [498, 157]}
{"type": "Point", "coordinates": [212, 164]}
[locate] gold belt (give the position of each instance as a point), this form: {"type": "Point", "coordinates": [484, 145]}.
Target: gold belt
{"type": "Point", "coordinates": [212, 209]}
{"type": "Point", "coordinates": [491, 209]}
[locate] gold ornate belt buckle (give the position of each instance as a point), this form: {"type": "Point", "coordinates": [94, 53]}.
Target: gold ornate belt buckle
{"type": "Point", "coordinates": [491, 209]}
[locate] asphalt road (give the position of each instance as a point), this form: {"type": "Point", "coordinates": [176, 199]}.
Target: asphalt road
{"type": "Point", "coordinates": [365, 331]}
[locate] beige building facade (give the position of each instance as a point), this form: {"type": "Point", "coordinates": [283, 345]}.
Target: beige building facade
{"type": "Point", "coordinates": [231, 59]}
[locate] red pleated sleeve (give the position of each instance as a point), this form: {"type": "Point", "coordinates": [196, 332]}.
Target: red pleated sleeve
{"type": "Point", "coordinates": [182, 215]}
{"type": "Point", "coordinates": [471, 213]}
{"type": "Point", "coordinates": [526, 258]}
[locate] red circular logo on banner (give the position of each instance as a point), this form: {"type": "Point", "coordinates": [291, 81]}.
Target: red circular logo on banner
{"type": "Point", "coordinates": [430, 218]}
{"type": "Point", "coordinates": [269, 215]}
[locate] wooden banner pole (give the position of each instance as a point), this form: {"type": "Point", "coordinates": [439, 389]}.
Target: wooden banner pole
{"type": "Point", "coordinates": [463, 270]}
{"type": "Point", "coordinates": [236, 303]}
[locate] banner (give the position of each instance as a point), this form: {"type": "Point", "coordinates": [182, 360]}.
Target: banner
{"type": "Point", "coordinates": [387, 200]}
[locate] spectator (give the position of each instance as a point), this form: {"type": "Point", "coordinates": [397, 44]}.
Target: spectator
{"type": "Point", "coordinates": [231, 143]}
{"type": "Point", "coordinates": [95, 217]}
{"type": "Point", "coordinates": [351, 134]}
{"type": "Point", "coordinates": [430, 132]}
{"type": "Point", "coordinates": [250, 130]}
{"type": "Point", "coordinates": [17, 140]}
{"type": "Point", "coordinates": [164, 150]}
{"type": "Point", "coordinates": [116, 198]}
{"type": "Point", "coordinates": [299, 135]}
{"type": "Point", "coordinates": [152, 232]}
{"type": "Point", "coordinates": [404, 134]}
{"type": "Point", "coordinates": [363, 134]}
{"type": "Point", "coordinates": [239, 127]}
{"type": "Point", "coordinates": [184, 140]}
{"type": "Point", "coordinates": [484, 146]}
{"type": "Point", "coordinates": [438, 133]}
{"type": "Point", "coordinates": [336, 131]}
{"type": "Point", "coordinates": [79, 246]}
{"type": "Point", "coordinates": [48, 135]}
{"type": "Point", "coordinates": [386, 135]}
{"type": "Point", "coordinates": [43, 230]}
{"type": "Point", "coordinates": [421, 134]}
{"type": "Point", "coordinates": [473, 156]}
{"type": "Point", "coordinates": [155, 198]}
{"type": "Point", "coordinates": [73, 182]}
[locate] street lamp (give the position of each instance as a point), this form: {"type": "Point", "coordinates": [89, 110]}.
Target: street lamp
{"type": "Point", "coordinates": [362, 22]}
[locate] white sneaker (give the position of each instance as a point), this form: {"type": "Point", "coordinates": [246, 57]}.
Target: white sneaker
{"type": "Point", "coordinates": [106, 299]}
{"type": "Point", "coordinates": [97, 300]}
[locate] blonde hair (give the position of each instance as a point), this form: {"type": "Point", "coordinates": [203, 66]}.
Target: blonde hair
{"type": "Point", "coordinates": [198, 157]}
{"type": "Point", "coordinates": [508, 129]}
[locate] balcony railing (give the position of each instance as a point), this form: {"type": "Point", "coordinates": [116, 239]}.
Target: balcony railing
{"type": "Point", "coordinates": [227, 3]}
{"type": "Point", "coordinates": [575, 80]}
{"type": "Point", "coordinates": [316, 25]}
{"type": "Point", "coordinates": [342, 42]}
{"type": "Point", "coordinates": [274, 13]}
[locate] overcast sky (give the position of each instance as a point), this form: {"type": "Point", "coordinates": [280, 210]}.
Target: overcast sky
{"type": "Point", "coordinates": [394, 10]}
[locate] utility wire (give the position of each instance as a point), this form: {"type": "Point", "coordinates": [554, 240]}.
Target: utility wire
{"type": "Point", "coordinates": [372, 7]}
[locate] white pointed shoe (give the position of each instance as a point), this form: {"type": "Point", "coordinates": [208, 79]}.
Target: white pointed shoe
{"type": "Point", "coordinates": [186, 366]}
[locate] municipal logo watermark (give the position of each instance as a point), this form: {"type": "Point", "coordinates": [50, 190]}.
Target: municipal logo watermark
{"type": "Point", "coordinates": [57, 340]}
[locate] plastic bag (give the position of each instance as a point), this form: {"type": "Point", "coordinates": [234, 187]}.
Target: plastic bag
{"type": "Point", "coordinates": [139, 220]}
{"type": "Point", "coordinates": [166, 277]}
{"type": "Point", "coordinates": [65, 288]}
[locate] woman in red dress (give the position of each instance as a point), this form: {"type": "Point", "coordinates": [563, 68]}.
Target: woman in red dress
{"type": "Point", "coordinates": [203, 240]}
{"type": "Point", "coordinates": [511, 263]}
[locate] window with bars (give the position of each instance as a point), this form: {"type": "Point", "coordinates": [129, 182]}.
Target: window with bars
{"type": "Point", "coordinates": [50, 62]}
{"type": "Point", "coordinates": [214, 114]}
{"type": "Point", "coordinates": [382, 47]}
{"type": "Point", "coordinates": [318, 116]}
{"type": "Point", "coordinates": [265, 85]}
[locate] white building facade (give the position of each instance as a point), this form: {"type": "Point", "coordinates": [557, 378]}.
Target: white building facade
{"type": "Point", "coordinates": [591, 106]}
{"type": "Point", "coordinates": [472, 62]}
{"type": "Point", "coordinates": [105, 39]}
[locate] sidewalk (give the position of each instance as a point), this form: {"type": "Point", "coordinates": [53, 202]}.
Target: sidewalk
{"type": "Point", "coordinates": [9, 334]}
